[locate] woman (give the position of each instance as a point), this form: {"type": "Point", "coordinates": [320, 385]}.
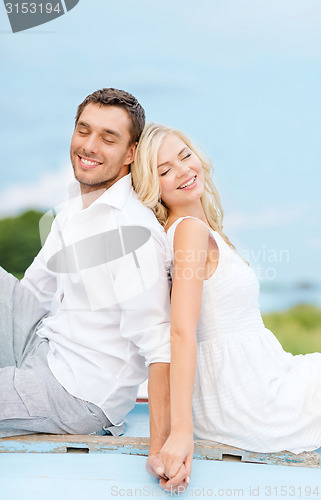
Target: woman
{"type": "Point", "coordinates": [245, 390]}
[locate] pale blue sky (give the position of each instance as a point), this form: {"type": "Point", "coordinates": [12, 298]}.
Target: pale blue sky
{"type": "Point", "coordinates": [241, 77]}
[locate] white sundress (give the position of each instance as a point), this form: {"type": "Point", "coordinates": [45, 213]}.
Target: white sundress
{"type": "Point", "coordinates": [248, 391]}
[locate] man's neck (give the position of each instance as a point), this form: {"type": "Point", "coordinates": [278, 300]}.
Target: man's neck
{"type": "Point", "coordinates": [89, 196]}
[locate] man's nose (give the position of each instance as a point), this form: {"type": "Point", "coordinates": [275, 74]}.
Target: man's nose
{"type": "Point", "coordinates": [90, 144]}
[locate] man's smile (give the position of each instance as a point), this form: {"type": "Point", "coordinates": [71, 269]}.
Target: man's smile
{"type": "Point", "coordinates": [87, 163]}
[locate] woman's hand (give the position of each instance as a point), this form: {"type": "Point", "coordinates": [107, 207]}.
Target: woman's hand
{"type": "Point", "coordinates": [177, 451]}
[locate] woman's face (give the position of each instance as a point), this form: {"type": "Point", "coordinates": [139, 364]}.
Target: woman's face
{"type": "Point", "coordinates": [180, 173]}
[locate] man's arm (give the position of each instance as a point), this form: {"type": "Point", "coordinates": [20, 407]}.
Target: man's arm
{"type": "Point", "coordinates": [146, 322]}
{"type": "Point", "coordinates": [40, 281]}
{"type": "Point", "coordinates": [159, 414]}
{"type": "Point", "coordinates": [159, 405]}
{"type": "Point", "coordinates": [159, 423]}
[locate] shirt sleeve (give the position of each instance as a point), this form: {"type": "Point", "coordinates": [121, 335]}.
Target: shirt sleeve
{"type": "Point", "coordinates": [142, 287]}
{"type": "Point", "coordinates": [40, 280]}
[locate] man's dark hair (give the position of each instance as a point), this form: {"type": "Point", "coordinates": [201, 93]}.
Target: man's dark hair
{"type": "Point", "coordinates": [122, 99]}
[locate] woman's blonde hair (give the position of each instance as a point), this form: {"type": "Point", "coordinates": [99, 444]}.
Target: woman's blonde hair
{"type": "Point", "coordinates": [146, 179]}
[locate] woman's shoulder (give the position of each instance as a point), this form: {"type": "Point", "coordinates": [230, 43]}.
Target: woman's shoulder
{"type": "Point", "coordinates": [186, 223]}
{"type": "Point", "coordinates": [189, 231]}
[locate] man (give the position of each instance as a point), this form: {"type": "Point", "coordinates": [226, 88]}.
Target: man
{"type": "Point", "coordinates": [92, 312]}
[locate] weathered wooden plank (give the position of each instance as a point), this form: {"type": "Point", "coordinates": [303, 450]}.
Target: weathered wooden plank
{"type": "Point", "coordinates": [204, 450]}
{"type": "Point", "coordinates": [48, 443]}
{"type": "Point", "coordinates": [211, 450]}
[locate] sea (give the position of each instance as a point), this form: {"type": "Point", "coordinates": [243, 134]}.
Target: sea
{"type": "Point", "coordinates": [280, 297]}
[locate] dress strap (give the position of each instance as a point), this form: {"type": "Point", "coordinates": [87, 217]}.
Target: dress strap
{"type": "Point", "coordinates": [180, 219]}
{"type": "Point", "coordinates": [172, 229]}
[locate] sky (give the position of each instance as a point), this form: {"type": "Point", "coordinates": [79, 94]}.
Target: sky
{"type": "Point", "coordinates": [241, 77]}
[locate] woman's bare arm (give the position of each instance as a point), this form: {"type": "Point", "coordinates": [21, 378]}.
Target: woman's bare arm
{"type": "Point", "coordinates": [190, 256]}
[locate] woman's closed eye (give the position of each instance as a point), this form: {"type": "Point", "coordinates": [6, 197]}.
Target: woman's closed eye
{"type": "Point", "coordinates": [164, 173]}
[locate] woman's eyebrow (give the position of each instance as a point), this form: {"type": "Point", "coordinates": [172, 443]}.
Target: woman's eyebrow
{"type": "Point", "coordinates": [167, 162]}
{"type": "Point", "coordinates": [185, 147]}
{"type": "Point", "coordinates": [163, 164]}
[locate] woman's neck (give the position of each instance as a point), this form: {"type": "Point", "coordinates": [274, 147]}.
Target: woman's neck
{"type": "Point", "coordinates": [191, 211]}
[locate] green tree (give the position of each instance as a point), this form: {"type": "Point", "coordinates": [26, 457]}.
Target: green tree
{"type": "Point", "coordinates": [19, 241]}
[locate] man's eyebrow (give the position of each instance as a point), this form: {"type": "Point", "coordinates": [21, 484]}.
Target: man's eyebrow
{"type": "Point", "coordinates": [105, 130]}
{"type": "Point", "coordinates": [111, 132]}
{"type": "Point", "coordinates": [82, 124]}
{"type": "Point", "coordinates": [167, 162]}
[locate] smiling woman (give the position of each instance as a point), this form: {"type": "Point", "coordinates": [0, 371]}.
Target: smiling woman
{"type": "Point", "coordinates": [152, 168]}
{"type": "Point", "coordinates": [179, 173]}
{"type": "Point", "coordinates": [231, 381]}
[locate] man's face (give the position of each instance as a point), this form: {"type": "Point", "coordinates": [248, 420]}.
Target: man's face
{"type": "Point", "coordinates": [101, 147]}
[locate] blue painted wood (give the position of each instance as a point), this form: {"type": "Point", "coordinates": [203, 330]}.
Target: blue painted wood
{"type": "Point", "coordinates": [137, 421]}
{"type": "Point", "coordinates": [102, 476]}
{"type": "Point", "coordinates": [78, 477]}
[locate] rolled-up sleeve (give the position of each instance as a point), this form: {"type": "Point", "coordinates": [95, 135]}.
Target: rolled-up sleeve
{"type": "Point", "coordinates": [142, 287]}
{"type": "Point", "coordinates": [38, 278]}
{"type": "Point", "coordinates": [41, 282]}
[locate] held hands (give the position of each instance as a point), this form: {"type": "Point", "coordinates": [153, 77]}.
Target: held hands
{"type": "Point", "coordinates": [177, 456]}
{"type": "Point", "coordinates": [154, 466]}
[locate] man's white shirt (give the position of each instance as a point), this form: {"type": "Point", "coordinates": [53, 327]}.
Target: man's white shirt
{"type": "Point", "coordinates": [108, 313]}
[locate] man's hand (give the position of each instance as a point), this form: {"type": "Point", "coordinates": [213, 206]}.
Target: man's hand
{"type": "Point", "coordinates": [159, 412]}
{"type": "Point", "coordinates": [177, 483]}
{"type": "Point", "coordinates": [155, 467]}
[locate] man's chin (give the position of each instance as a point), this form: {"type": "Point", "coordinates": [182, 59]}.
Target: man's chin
{"type": "Point", "coordinates": [84, 178]}
{"type": "Point", "coordinates": [91, 184]}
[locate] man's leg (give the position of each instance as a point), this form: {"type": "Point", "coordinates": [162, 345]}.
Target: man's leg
{"type": "Point", "coordinates": [20, 311]}
{"type": "Point", "coordinates": [32, 400]}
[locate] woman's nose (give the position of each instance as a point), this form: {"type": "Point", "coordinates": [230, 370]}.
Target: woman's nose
{"type": "Point", "coordinates": [182, 170]}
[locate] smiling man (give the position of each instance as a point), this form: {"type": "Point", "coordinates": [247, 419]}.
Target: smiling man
{"type": "Point", "coordinates": [90, 320]}
{"type": "Point", "coordinates": [103, 146]}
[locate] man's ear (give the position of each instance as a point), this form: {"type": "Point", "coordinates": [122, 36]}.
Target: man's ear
{"type": "Point", "coordinates": [131, 153]}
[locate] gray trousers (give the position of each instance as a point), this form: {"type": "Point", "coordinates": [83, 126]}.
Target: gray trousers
{"type": "Point", "coordinates": [31, 398]}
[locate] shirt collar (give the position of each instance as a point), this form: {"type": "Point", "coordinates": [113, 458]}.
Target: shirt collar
{"type": "Point", "coordinates": [115, 196]}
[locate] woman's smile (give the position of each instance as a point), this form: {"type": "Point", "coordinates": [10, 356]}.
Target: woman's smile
{"type": "Point", "coordinates": [189, 184]}
{"type": "Point", "coordinates": [179, 169]}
